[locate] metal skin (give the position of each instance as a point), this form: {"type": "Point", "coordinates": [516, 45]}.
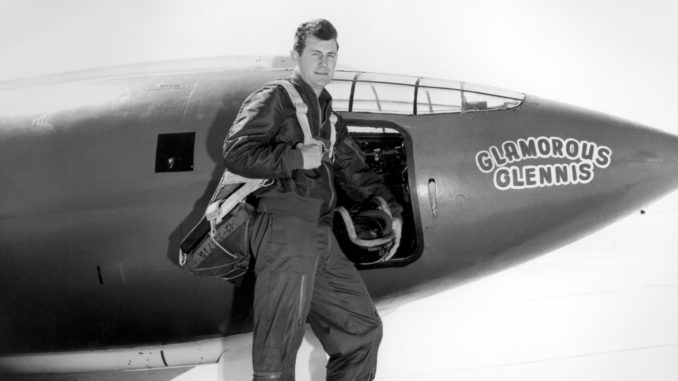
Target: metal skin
{"type": "Point", "coordinates": [89, 232]}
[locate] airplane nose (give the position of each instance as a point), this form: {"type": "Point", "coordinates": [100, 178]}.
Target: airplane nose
{"type": "Point", "coordinates": [553, 173]}
{"type": "Point", "coordinates": [620, 161]}
{"type": "Point", "coordinates": [643, 161]}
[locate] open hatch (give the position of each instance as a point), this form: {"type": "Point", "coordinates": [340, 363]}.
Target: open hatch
{"type": "Point", "coordinates": [388, 152]}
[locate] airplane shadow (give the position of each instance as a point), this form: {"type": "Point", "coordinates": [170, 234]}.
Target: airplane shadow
{"type": "Point", "coordinates": [240, 317]}
{"type": "Point", "coordinates": [215, 138]}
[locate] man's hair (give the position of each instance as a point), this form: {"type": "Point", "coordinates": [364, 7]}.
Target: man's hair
{"type": "Point", "coordinates": [320, 29]}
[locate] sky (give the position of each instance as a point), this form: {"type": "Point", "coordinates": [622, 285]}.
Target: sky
{"type": "Point", "coordinates": [618, 57]}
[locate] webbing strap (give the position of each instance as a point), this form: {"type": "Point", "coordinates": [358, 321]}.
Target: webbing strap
{"type": "Point", "coordinates": [302, 115]}
{"type": "Point", "coordinates": [300, 106]}
{"type": "Point", "coordinates": [333, 134]}
{"type": "Point", "coordinates": [218, 209]}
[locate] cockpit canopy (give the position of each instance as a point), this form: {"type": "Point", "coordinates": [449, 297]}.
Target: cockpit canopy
{"type": "Point", "coordinates": [396, 94]}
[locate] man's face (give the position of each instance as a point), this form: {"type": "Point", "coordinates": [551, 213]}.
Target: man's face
{"type": "Point", "coordinates": [316, 63]}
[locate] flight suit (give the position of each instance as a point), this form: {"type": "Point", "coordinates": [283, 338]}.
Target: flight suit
{"type": "Point", "coordinates": [301, 273]}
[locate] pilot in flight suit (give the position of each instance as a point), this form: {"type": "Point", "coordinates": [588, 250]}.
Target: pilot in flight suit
{"type": "Point", "coordinates": [301, 273]}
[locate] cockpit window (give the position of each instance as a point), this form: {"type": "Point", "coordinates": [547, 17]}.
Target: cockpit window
{"type": "Point", "coordinates": [341, 94]}
{"type": "Point", "coordinates": [435, 100]}
{"type": "Point", "coordinates": [383, 97]}
{"type": "Point", "coordinates": [382, 93]}
{"type": "Point", "coordinates": [479, 97]}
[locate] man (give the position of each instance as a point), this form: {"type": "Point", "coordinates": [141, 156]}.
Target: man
{"type": "Point", "coordinates": [302, 275]}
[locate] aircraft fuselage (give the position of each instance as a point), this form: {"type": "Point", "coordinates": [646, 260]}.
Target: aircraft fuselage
{"type": "Point", "coordinates": [102, 178]}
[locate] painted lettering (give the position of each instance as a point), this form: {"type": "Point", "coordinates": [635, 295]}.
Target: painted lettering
{"type": "Point", "coordinates": [557, 144]}
{"type": "Point", "coordinates": [546, 175]}
{"type": "Point", "coordinates": [516, 176]}
{"type": "Point", "coordinates": [572, 149]}
{"type": "Point", "coordinates": [544, 147]}
{"type": "Point", "coordinates": [604, 157]}
{"type": "Point", "coordinates": [587, 150]}
{"type": "Point", "coordinates": [528, 148]}
{"type": "Point", "coordinates": [502, 179]}
{"type": "Point", "coordinates": [581, 160]}
{"type": "Point", "coordinates": [511, 152]}
{"type": "Point", "coordinates": [498, 158]}
{"type": "Point", "coordinates": [530, 172]}
{"type": "Point", "coordinates": [484, 161]}
{"type": "Point", "coordinates": [585, 172]}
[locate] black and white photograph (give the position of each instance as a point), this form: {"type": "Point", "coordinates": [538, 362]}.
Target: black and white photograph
{"type": "Point", "coordinates": [350, 191]}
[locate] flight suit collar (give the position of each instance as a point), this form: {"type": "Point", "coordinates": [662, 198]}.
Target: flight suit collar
{"type": "Point", "coordinates": [319, 109]}
{"type": "Point", "coordinates": [308, 92]}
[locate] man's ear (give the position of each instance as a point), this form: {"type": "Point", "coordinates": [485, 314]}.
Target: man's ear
{"type": "Point", "coordinates": [294, 55]}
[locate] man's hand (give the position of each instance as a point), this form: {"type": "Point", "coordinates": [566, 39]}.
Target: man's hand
{"type": "Point", "coordinates": [397, 227]}
{"type": "Point", "coordinates": [312, 154]}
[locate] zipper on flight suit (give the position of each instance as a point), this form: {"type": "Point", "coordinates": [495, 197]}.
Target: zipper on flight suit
{"type": "Point", "coordinates": [302, 292]}
{"type": "Point", "coordinates": [330, 179]}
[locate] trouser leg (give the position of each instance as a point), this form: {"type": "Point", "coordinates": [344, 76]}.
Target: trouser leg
{"type": "Point", "coordinates": [286, 258]}
{"type": "Point", "coordinates": [344, 318]}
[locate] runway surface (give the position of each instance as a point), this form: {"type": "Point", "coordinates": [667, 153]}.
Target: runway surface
{"type": "Point", "coordinates": [602, 308]}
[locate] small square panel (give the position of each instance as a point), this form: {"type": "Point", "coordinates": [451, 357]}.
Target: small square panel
{"type": "Point", "coordinates": [175, 152]}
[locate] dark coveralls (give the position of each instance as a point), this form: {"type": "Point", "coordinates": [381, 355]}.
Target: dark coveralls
{"type": "Point", "coordinates": [302, 274]}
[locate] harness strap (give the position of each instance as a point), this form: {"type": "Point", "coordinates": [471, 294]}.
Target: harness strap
{"type": "Point", "coordinates": [300, 106]}
{"type": "Point", "coordinates": [333, 133]}
{"type": "Point", "coordinates": [218, 209]}
{"type": "Point", "coordinates": [302, 115]}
